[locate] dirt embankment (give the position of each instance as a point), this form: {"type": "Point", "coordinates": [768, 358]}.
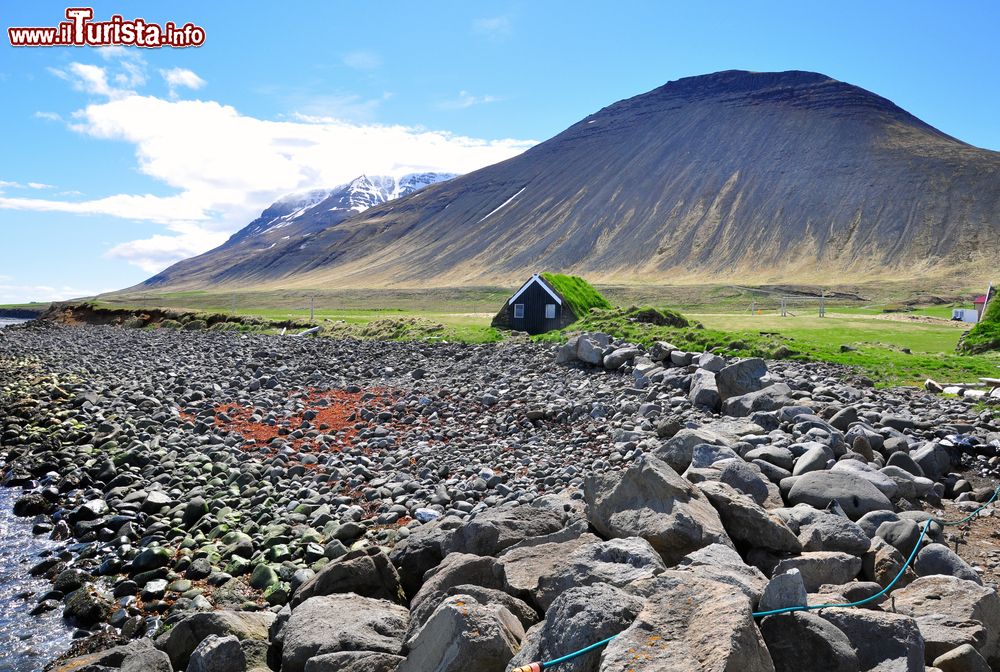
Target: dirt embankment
{"type": "Point", "coordinates": [90, 313]}
{"type": "Point", "coordinates": [21, 313]}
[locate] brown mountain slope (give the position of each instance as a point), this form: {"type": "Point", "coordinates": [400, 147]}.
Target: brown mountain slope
{"type": "Point", "coordinates": [767, 177]}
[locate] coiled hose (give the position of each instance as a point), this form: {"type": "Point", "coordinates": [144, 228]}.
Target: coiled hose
{"type": "Point", "coordinates": [544, 665]}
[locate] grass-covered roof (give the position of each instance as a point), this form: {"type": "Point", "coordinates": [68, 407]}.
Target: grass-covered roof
{"type": "Point", "coordinates": [579, 294]}
{"type": "Point", "coordinates": [985, 335]}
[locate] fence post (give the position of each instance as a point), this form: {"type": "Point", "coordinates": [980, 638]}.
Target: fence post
{"type": "Point", "coordinates": [822, 304]}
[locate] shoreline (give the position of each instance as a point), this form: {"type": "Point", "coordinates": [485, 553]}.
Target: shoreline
{"type": "Point", "coordinates": [207, 471]}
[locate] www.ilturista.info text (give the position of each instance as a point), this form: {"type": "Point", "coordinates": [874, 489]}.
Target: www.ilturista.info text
{"type": "Point", "coordinates": [81, 31]}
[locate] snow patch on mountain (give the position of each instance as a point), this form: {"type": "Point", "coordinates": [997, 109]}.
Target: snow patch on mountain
{"type": "Point", "coordinates": [356, 196]}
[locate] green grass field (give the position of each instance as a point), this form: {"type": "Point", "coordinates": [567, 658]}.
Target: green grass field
{"type": "Point", "coordinates": [892, 341]}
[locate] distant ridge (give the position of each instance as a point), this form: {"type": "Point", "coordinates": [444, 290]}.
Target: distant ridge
{"type": "Point", "coordinates": [287, 224]}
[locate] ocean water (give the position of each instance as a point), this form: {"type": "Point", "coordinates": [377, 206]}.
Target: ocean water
{"type": "Point", "coordinates": [27, 642]}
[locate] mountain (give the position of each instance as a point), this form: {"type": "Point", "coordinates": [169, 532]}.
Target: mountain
{"type": "Point", "coordinates": [766, 177]}
{"type": "Point", "coordinates": [287, 226]}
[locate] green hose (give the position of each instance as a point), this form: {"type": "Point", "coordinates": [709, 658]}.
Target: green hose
{"type": "Point", "coordinates": [786, 610]}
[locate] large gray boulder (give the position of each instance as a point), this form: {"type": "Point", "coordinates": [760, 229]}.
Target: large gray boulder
{"type": "Point", "coordinates": [822, 567]}
{"type": "Point", "coordinates": [590, 348]}
{"type": "Point", "coordinates": [779, 456]}
{"type": "Point", "coordinates": [943, 633]}
{"type": "Point", "coordinates": [901, 534]}
{"type": "Point", "coordinates": [333, 623]}
{"type": "Point", "coordinates": [140, 650]}
{"type": "Point", "coordinates": [706, 455]}
{"type": "Point", "coordinates": [946, 605]}
{"type": "Point", "coordinates": [678, 449]}
{"type": "Point", "coordinates": [521, 610]}
{"type": "Point", "coordinates": [746, 478]}
{"type": "Point", "coordinates": [617, 358]}
{"type": "Point", "coordinates": [704, 391]}
{"type": "Point", "coordinates": [650, 500]}
{"type": "Point", "coordinates": [422, 550]}
{"type": "Point", "coordinates": [770, 398]}
{"type": "Point", "coordinates": [962, 658]}
{"type": "Point", "coordinates": [747, 522]}
{"type": "Point", "coordinates": [496, 529]}
{"type": "Point", "coordinates": [616, 562]}
{"type": "Point", "coordinates": [814, 459]}
{"type": "Point", "coordinates": [181, 640]}
{"type": "Point", "coordinates": [579, 617]}
{"type": "Point", "coordinates": [457, 569]}
{"type": "Point", "coordinates": [939, 559]}
{"type": "Point", "coordinates": [689, 623]}
{"type": "Point", "coordinates": [747, 375]}
{"type": "Point", "coordinates": [883, 563]}
{"type": "Point", "coordinates": [724, 565]}
{"type": "Point", "coordinates": [218, 654]}
{"type": "Point", "coordinates": [525, 566]}
{"type": "Point", "coordinates": [87, 606]}
{"type": "Point", "coordinates": [463, 634]}
{"type": "Point", "coordinates": [366, 572]}
{"type": "Point", "coordinates": [854, 494]}
{"type": "Point", "coordinates": [150, 660]}
{"type": "Point", "coordinates": [803, 642]}
{"type": "Point", "coordinates": [933, 460]}
{"type": "Point", "coordinates": [883, 641]}
{"type": "Point", "coordinates": [354, 661]}
{"type": "Point", "coordinates": [829, 532]}
{"type": "Point", "coordinates": [783, 591]}
{"type": "Point", "coordinates": [886, 485]}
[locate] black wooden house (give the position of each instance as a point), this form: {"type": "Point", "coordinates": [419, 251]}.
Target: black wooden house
{"type": "Point", "coordinates": [535, 308]}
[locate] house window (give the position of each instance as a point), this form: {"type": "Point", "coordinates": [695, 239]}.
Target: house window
{"type": "Point", "coordinates": [550, 311]}
{"type": "Point", "coordinates": [518, 311]}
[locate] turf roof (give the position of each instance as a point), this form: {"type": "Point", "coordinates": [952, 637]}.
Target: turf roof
{"type": "Point", "coordinates": [579, 294]}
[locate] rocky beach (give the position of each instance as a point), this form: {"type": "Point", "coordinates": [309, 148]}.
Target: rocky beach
{"type": "Point", "coordinates": [216, 501]}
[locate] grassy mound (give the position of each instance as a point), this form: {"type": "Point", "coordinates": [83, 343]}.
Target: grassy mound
{"type": "Point", "coordinates": [985, 335]}
{"type": "Point", "coordinates": [661, 317]}
{"type": "Point", "coordinates": [578, 293]}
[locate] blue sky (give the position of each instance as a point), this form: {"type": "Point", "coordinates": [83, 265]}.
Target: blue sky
{"type": "Point", "coordinates": [117, 162]}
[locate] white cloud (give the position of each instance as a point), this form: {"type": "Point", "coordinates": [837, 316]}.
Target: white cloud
{"type": "Point", "coordinates": [133, 74]}
{"type": "Point", "coordinates": [466, 99]}
{"type": "Point", "coordinates": [225, 167]}
{"type": "Point", "coordinates": [19, 185]}
{"type": "Point", "coordinates": [495, 27]}
{"type": "Point", "coordinates": [92, 79]}
{"type": "Point", "coordinates": [159, 251]}
{"type": "Point", "coordinates": [362, 60]}
{"type": "Point", "coordinates": [177, 78]}
{"type": "Point", "coordinates": [12, 293]}
{"type": "Point", "coordinates": [48, 116]}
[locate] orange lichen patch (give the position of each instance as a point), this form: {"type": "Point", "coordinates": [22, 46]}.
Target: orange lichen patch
{"type": "Point", "coordinates": [334, 412]}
